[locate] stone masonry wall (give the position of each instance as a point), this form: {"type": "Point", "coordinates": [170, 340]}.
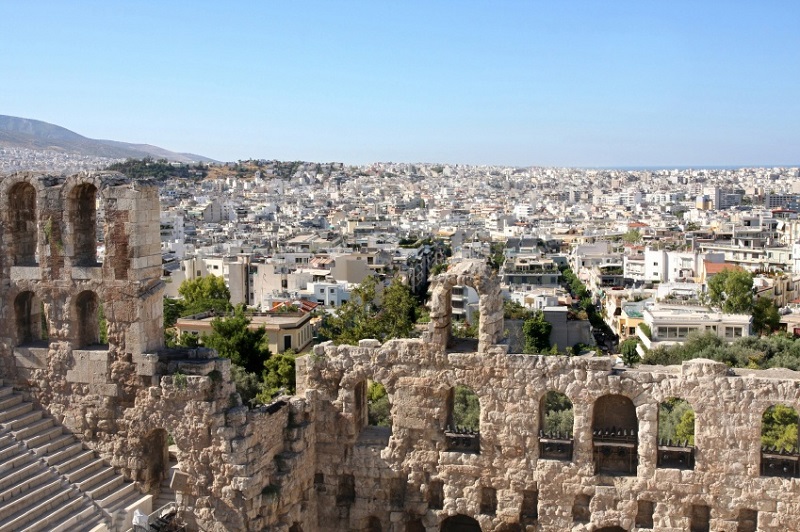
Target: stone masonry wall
{"type": "Point", "coordinates": [239, 468]}
{"type": "Point", "coordinates": [418, 377]}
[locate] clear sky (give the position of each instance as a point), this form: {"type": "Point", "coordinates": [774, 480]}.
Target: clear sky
{"type": "Point", "coordinates": [556, 82]}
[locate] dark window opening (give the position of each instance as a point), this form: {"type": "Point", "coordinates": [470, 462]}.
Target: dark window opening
{"type": "Point", "coordinates": [346, 494]}
{"type": "Point", "coordinates": [374, 525]}
{"type": "Point", "coordinates": [22, 218]}
{"type": "Point", "coordinates": [83, 218]}
{"type": "Point", "coordinates": [614, 436]}
{"type": "Point", "coordinates": [460, 523]}
{"type": "Point", "coordinates": [581, 513]}
{"type": "Point", "coordinates": [397, 492]}
{"type": "Point", "coordinates": [747, 521]}
{"type": "Point", "coordinates": [435, 494]}
{"type": "Point", "coordinates": [488, 501]}
{"type": "Point", "coordinates": [644, 514]}
{"type": "Point", "coordinates": [700, 518]}
{"type": "Point", "coordinates": [31, 323]}
{"type": "Point", "coordinates": [89, 317]}
{"type": "Point", "coordinates": [530, 507]}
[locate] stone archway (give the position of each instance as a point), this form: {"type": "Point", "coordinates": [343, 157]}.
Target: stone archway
{"type": "Point", "coordinates": [460, 523]}
{"type": "Point", "coordinates": [478, 275]}
{"type": "Point", "coordinates": [611, 529]}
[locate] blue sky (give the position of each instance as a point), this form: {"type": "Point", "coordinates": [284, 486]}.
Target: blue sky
{"type": "Point", "coordinates": [554, 83]}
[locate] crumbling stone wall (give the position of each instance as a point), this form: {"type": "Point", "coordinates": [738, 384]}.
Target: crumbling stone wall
{"type": "Point", "coordinates": [418, 377]}
{"type": "Point", "coordinates": [358, 479]}
{"type": "Point", "coordinates": [240, 468]}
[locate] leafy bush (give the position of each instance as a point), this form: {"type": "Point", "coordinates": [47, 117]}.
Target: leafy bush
{"type": "Point", "coordinates": [466, 408]}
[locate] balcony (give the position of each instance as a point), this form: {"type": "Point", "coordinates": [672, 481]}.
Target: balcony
{"type": "Point", "coordinates": [463, 440]}
{"type": "Point", "coordinates": [677, 455]}
{"type": "Point", "coordinates": [780, 462]}
{"type": "Point", "coordinates": [555, 446]}
{"type": "Point", "coordinates": [615, 451]}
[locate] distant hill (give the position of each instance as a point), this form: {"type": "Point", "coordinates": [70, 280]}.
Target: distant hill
{"type": "Point", "coordinates": [37, 135]}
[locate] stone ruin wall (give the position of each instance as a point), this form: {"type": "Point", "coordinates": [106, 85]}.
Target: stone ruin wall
{"type": "Point", "coordinates": [418, 378]}
{"type": "Point", "coordinates": [241, 469]}
{"type": "Point", "coordinates": [361, 481]}
{"type": "Point", "coordinates": [308, 462]}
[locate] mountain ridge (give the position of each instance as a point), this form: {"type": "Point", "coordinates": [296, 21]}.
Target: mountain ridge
{"type": "Point", "coordinates": [28, 133]}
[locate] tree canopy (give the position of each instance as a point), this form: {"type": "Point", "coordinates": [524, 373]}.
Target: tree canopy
{"type": "Point", "coordinates": [371, 313]}
{"type": "Point", "coordinates": [537, 333]}
{"type": "Point", "coordinates": [205, 294]}
{"type": "Point", "coordinates": [233, 338]}
{"type": "Point", "coordinates": [732, 291]}
{"type": "Point", "coordinates": [766, 318]}
{"type": "Point", "coordinates": [775, 351]}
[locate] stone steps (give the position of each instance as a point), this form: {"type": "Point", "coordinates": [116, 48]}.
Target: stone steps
{"type": "Point", "coordinates": [50, 482]}
{"type": "Point", "coordinates": [64, 517]}
{"type": "Point", "coordinates": [49, 441]}
{"type": "Point", "coordinates": [15, 411]}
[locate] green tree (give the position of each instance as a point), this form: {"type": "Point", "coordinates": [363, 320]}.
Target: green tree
{"type": "Point", "coordinates": [497, 255]}
{"type": "Point", "coordinates": [397, 311]}
{"type": "Point", "coordinates": [676, 421]}
{"type": "Point", "coordinates": [173, 309]}
{"type": "Point", "coordinates": [628, 351]}
{"type": "Point", "coordinates": [205, 294]}
{"type": "Point", "coordinates": [537, 333]}
{"type": "Point", "coordinates": [779, 427]}
{"type": "Point", "coordinates": [632, 236]}
{"type": "Point", "coordinates": [732, 291]}
{"type": "Point", "coordinates": [766, 318]}
{"type": "Point", "coordinates": [233, 338]}
{"type": "Point", "coordinates": [370, 314]}
{"type": "Point", "coordinates": [466, 408]}
{"type": "Point", "coordinates": [558, 417]}
{"type": "Point", "coordinates": [278, 375]}
{"type": "Point", "coordinates": [378, 407]}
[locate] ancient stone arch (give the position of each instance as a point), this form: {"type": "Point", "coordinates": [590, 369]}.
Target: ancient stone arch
{"type": "Point", "coordinates": [86, 306]}
{"type": "Point", "coordinates": [21, 205]}
{"type": "Point", "coordinates": [460, 523]}
{"type": "Point", "coordinates": [28, 318]}
{"type": "Point", "coordinates": [82, 222]}
{"type": "Point", "coordinates": [479, 276]}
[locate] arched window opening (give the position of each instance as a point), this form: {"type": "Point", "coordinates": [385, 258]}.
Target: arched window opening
{"type": "Point", "coordinates": [31, 323]}
{"type": "Point", "coordinates": [379, 413]}
{"type": "Point", "coordinates": [676, 434]}
{"type": "Point", "coordinates": [463, 423]}
{"type": "Point", "coordinates": [83, 219]}
{"type": "Point", "coordinates": [555, 432]}
{"type": "Point", "coordinates": [91, 323]}
{"type": "Point", "coordinates": [460, 523]}
{"type": "Point", "coordinates": [779, 444]}
{"type": "Point", "coordinates": [465, 318]}
{"type": "Point", "coordinates": [296, 528]}
{"type": "Point", "coordinates": [22, 214]}
{"type": "Point", "coordinates": [614, 436]}
{"type": "Point", "coordinates": [161, 455]}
